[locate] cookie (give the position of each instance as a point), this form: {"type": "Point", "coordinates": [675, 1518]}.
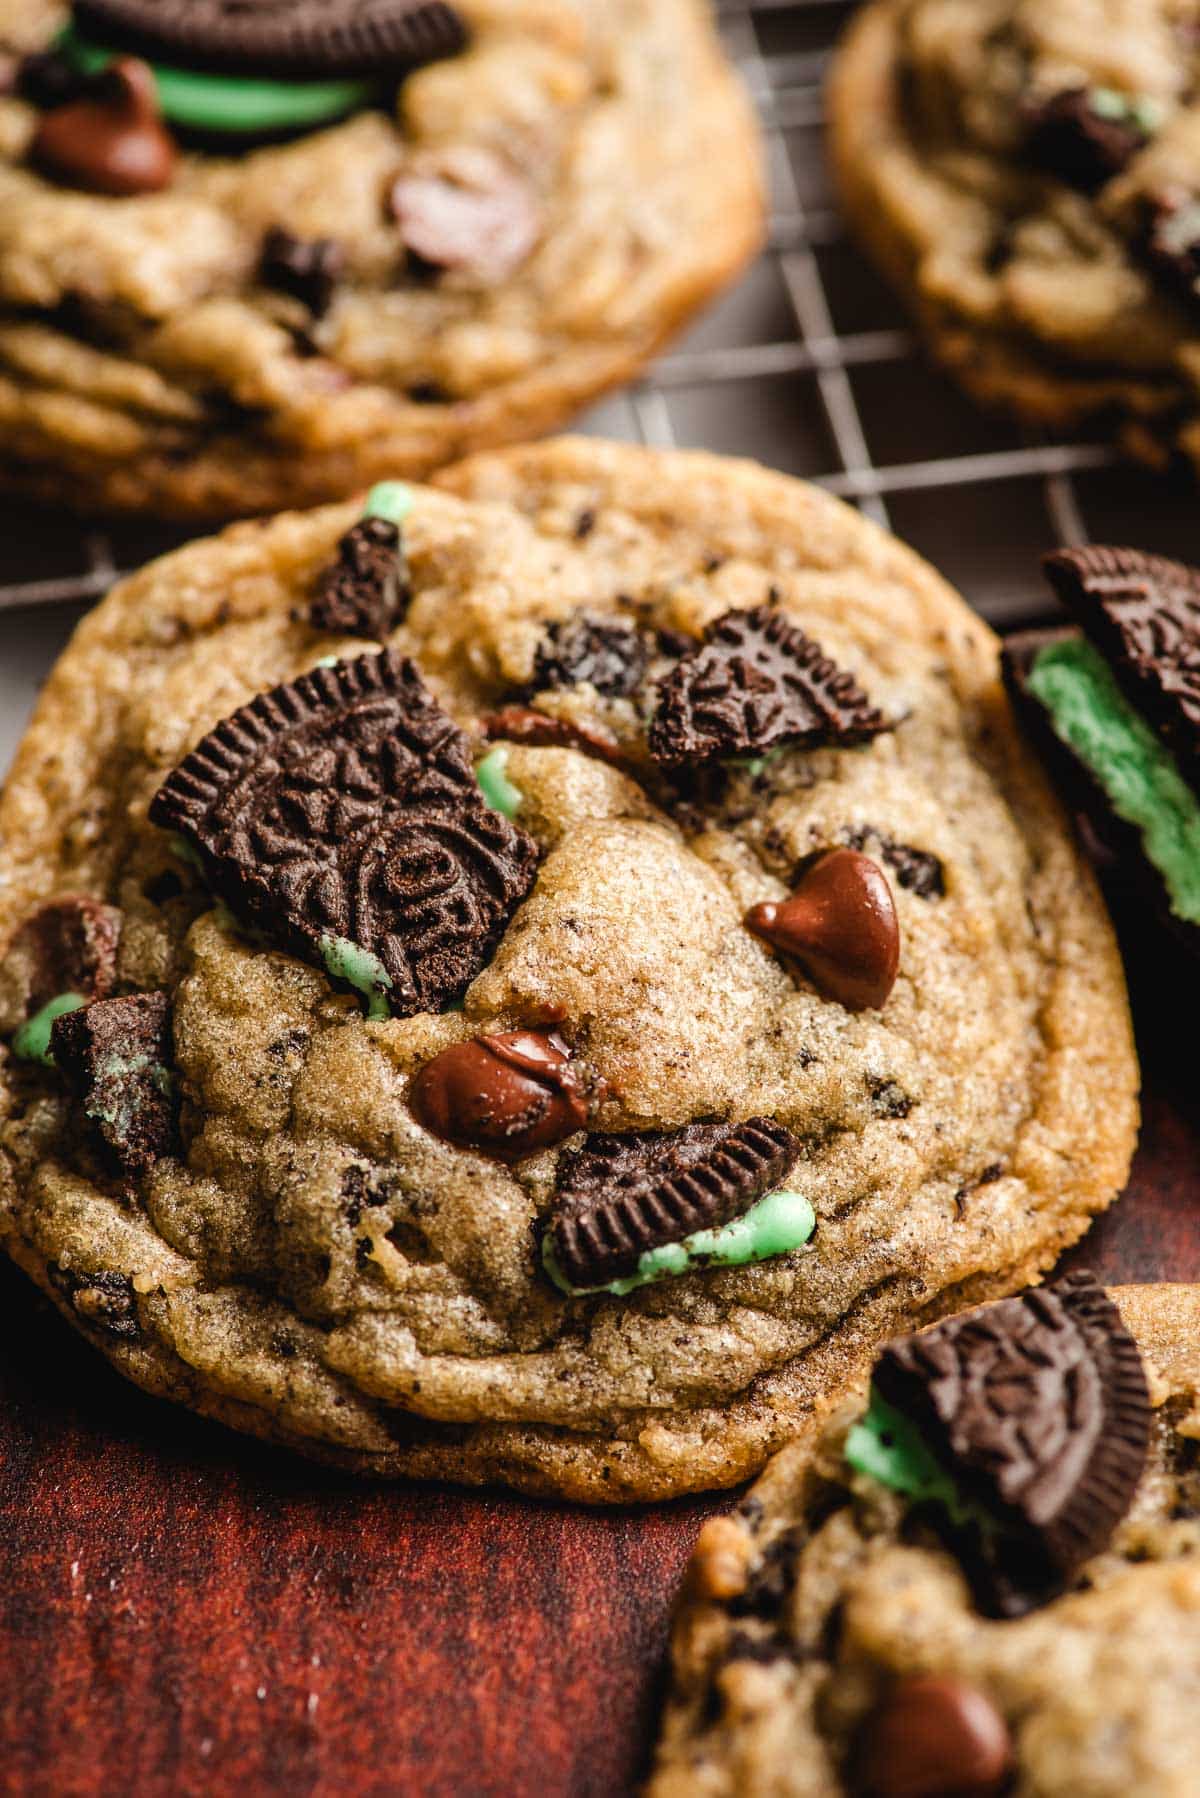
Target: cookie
{"type": "Point", "coordinates": [514, 1141]}
{"type": "Point", "coordinates": [353, 241]}
{"type": "Point", "coordinates": [844, 1631]}
{"type": "Point", "coordinates": [1114, 708]}
{"type": "Point", "coordinates": [1027, 176]}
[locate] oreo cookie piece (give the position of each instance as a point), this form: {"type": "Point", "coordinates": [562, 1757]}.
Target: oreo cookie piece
{"type": "Point", "coordinates": [69, 945]}
{"type": "Point", "coordinates": [1085, 136]}
{"type": "Point", "coordinates": [308, 269]}
{"type": "Point", "coordinates": [340, 815]}
{"type": "Point", "coordinates": [757, 683]}
{"type": "Point", "coordinates": [605, 653]}
{"type": "Point", "coordinates": [115, 1056]}
{"type": "Point", "coordinates": [1037, 1408]}
{"type": "Point", "coordinates": [620, 1198]}
{"type": "Point", "coordinates": [916, 870]}
{"type": "Point", "coordinates": [289, 39]}
{"type": "Point", "coordinates": [365, 593]}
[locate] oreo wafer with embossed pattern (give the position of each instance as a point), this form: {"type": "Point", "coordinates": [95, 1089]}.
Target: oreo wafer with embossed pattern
{"type": "Point", "coordinates": [287, 39]}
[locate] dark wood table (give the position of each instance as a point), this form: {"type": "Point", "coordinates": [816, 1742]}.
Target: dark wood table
{"type": "Point", "coordinates": [184, 1611]}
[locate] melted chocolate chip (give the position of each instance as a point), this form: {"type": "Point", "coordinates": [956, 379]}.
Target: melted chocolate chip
{"type": "Point", "coordinates": [602, 652]}
{"type": "Point", "coordinates": [934, 1737]}
{"type": "Point", "coordinates": [111, 139]}
{"type": "Point", "coordinates": [620, 1196]}
{"type": "Point", "coordinates": [757, 683]}
{"type": "Point", "coordinates": [365, 592]}
{"type": "Point", "coordinates": [517, 724]}
{"type": "Point", "coordinates": [344, 806]}
{"type": "Point", "coordinates": [508, 1095]}
{"type": "Point", "coordinates": [840, 924]}
{"type": "Point", "coordinates": [309, 270]}
{"type": "Point", "coordinates": [115, 1056]}
{"type": "Point", "coordinates": [1038, 1406]}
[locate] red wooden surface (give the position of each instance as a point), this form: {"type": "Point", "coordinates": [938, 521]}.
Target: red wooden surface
{"type": "Point", "coordinates": [182, 1611]}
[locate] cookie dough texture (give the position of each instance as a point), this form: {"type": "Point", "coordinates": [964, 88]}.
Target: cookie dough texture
{"type": "Point", "coordinates": [144, 366]}
{"type": "Point", "coordinates": [1036, 296]}
{"type": "Point", "coordinates": [320, 1270]}
{"type": "Point", "coordinates": [1098, 1687]}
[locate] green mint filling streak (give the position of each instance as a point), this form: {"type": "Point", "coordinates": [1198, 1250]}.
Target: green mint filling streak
{"type": "Point", "coordinates": [389, 499]}
{"type": "Point", "coordinates": [888, 1448]}
{"type": "Point", "coordinates": [344, 960]}
{"type": "Point", "coordinates": [1136, 771]}
{"type": "Point", "coordinates": [780, 1222]}
{"type": "Point", "coordinates": [495, 785]}
{"type": "Point", "coordinates": [242, 105]}
{"type": "Point", "coordinates": [32, 1041]}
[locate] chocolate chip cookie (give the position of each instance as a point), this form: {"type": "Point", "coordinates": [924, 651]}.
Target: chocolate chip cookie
{"type": "Point", "coordinates": [254, 257]}
{"type": "Point", "coordinates": [981, 1577]}
{"type": "Point", "coordinates": [534, 978]}
{"type": "Point", "coordinates": [1028, 174]}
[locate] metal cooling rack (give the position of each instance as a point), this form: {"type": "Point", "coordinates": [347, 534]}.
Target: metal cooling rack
{"type": "Point", "coordinates": [808, 365]}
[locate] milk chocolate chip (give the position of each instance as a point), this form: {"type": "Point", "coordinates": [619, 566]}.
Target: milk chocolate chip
{"type": "Point", "coordinates": [934, 1738]}
{"type": "Point", "coordinates": [508, 1095]}
{"type": "Point", "coordinates": [111, 140]}
{"type": "Point", "coordinates": [840, 924]}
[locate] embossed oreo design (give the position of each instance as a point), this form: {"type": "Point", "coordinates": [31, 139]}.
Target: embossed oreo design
{"type": "Point", "coordinates": [757, 683]}
{"type": "Point", "coordinates": [343, 806]}
{"type": "Point", "coordinates": [1038, 1407]}
{"type": "Point", "coordinates": [1143, 614]}
{"type": "Point", "coordinates": [115, 1056]}
{"type": "Point", "coordinates": [282, 38]}
{"type": "Point", "coordinates": [365, 593]}
{"type": "Point", "coordinates": [620, 1196]}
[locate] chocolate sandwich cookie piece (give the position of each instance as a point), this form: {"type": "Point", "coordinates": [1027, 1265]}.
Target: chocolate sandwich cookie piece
{"type": "Point", "coordinates": [508, 1095]}
{"type": "Point", "coordinates": [68, 945]}
{"type": "Point", "coordinates": [293, 39]}
{"type": "Point", "coordinates": [1085, 136]}
{"type": "Point", "coordinates": [306, 269]}
{"type": "Point", "coordinates": [620, 1198]}
{"type": "Point", "coordinates": [1037, 1407]}
{"type": "Point", "coordinates": [1143, 614]}
{"type": "Point", "coordinates": [340, 814]}
{"type": "Point", "coordinates": [365, 592]}
{"type": "Point", "coordinates": [115, 1056]}
{"type": "Point", "coordinates": [840, 924]}
{"type": "Point", "coordinates": [602, 652]}
{"type": "Point", "coordinates": [110, 139]}
{"type": "Point", "coordinates": [757, 683]}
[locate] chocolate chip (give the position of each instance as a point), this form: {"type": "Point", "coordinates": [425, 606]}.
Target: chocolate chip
{"type": "Point", "coordinates": [771, 1579]}
{"type": "Point", "coordinates": [934, 1737]}
{"type": "Point", "coordinates": [1038, 1406]}
{"type": "Point", "coordinates": [916, 870]}
{"type": "Point", "coordinates": [115, 1056]}
{"type": "Point", "coordinates": [365, 592]}
{"type": "Point", "coordinates": [517, 724]}
{"type": "Point", "coordinates": [1143, 614]}
{"type": "Point", "coordinates": [343, 808]}
{"type": "Point", "coordinates": [68, 945]}
{"type": "Point", "coordinates": [307, 269]}
{"type": "Point", "coordinates": [508, 1095]}
{"type": "Point", "coordinates": [105, 1300]}
{"type": "Point", "coordinates": [620, 1196]}
{"type": "Point", "coordinates": [467, 211]}
{"type": "Point", "coordinates": [585, 524]}
{"type": "Point", "coordinates": [602, 652]}
{"type": "Point", "coordinates": [111, 139]}
{"type": "Point", "coordinates": [888, 1100]}
{"type": "Point", "coordinates": [840, 924]}
{"type": "Point", "coordinates": [1085, 136]}
{"type": "Point", "coordinates": [757, 683]}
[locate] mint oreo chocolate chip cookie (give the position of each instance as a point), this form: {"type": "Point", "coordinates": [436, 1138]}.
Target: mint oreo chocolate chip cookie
{"type": "Point", "coordinates": [542, 1111]}
{"type": "Point", "coordinates": [1115, 708]}
{"type": "Point", "coordinates": [981, 1578]}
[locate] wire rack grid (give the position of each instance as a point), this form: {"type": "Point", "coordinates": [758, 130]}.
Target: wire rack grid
{"type": "Point", "coordinates": [808, 365]}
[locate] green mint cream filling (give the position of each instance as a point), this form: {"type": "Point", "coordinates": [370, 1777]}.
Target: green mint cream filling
{"type": "Point", "coordinates": [1136, 771]}
{"type": "Point", "coordinates": [389, 499]}
{"type": "Point", "coordinates": [495, 785]}
{"type": "Point", "coordinates": [344, 960]}
{"type": "Point", "coordinates": [32, 1041]}
{"type": "Point", "coordinates": [887, 1447]}
{"type": "Point", "coordinates": [780, 1222]}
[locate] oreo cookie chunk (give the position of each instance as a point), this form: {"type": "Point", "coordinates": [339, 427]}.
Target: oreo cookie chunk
{"type": "Point", "coordinates": [115, 1056]}
{"type": "Point", "coordinates": [340, 815]}
{"type": "Point", "coordinates": [1085, 136]}
{"type": "Point", "coordinates": [1024, 1425]}
{"type": "Point", "coordinates": [365, 592]}
{"type": "Point", "coordinates": [633, 1209]}
{"type": "Point", "coordinates": [61, 957]}
{"type": "Point", "coordinates": [758, 683]}
{"type": "Point", "coordinates": [1115, 708]}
